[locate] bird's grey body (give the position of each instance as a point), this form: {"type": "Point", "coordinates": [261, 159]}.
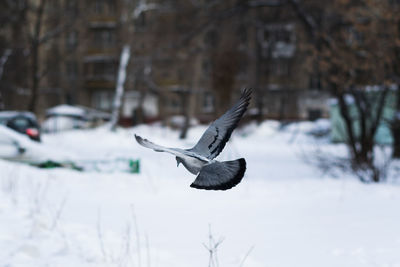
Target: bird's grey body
{"type": "Point", "coordinates": [212, 174]}
{"type": "Point", "coordinates": [192, 164]}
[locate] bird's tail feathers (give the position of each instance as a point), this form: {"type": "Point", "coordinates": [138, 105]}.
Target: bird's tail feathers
{"type": "Point", "coordinates": [220, 175]}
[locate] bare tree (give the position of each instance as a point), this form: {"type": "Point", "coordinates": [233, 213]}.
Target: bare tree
{"type": "Point", "coordinates": [13, 15]}
{"type": "Point", "coordinates": [34, 25]}
{"type": "Point", "coordinates": [352, 53]}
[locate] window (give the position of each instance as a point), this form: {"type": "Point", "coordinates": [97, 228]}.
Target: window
{"type": "Point", "coordinates": [175, 103]}
{"type": "Point", "coordinates": [72, 40]}
{"type": "Point", "coordinates": [71, 7]}
{"type": "Point", "coordinates": [181, 74]}
{"type": "Point", "coordinates": [102, 70]}
{"type": "Point", "coordinates": [277, 40]}
{"type": "Point", "coordinates": [278, 33]}
{"type": "Point", "coordinates": [72, 70]}
{"type": "Point", "coordinates": [104, 7]}
{"type": "Point", "coordinates": [111, 6]}
{"type": "Point", "coordinates": [103, 37]}
{"type": "Point", "coordinates": [105, 69]}
{"type": "Point", "coordinates": [242, 34]}
{"type": "Point", "coordinates": [20, 124]}
{"type": "Point", "coordinates": [69, 99]}
{"type": "Point", "coordinates": [102, 99]}
{"type": "Point", "coordinates": [211, 38]}
{"type": "Point", "coordinates": [206, 66]}
{"type": "Point", "coordinates": [208, 102]}
{"type": "Point", "coordinates": [52, 5]}
{"type": "Point", "coordinates": [279, 67]}
{"type": "Point", "coordinates": [99, 6]}
{"type": "Point", "coordinates": [315, 82]}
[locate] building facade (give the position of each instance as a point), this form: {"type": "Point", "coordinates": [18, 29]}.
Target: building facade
{"type": "Point", "coordinates": [188, 58]}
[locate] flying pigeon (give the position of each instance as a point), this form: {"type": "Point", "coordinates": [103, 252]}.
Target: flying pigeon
{"type": "Point", "coordinates": [199, 160]}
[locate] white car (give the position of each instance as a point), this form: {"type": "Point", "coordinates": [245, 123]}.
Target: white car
{"type": "Point", "coordinates": [18, 147]}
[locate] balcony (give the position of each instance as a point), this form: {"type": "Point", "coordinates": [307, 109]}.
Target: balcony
{"type": "Point", "coordinates": [95, 24]}
{"type": "Point", "coordinates": [99, 84]}
{"type": "Point", "coordinates": [103, 18]}
{"type": "Point", "coordinates": [103, 41]}
{"type": "Point", "coordinates": [101, 77]}
{"type": "Point", "coordinates": [106, 52]}
{"type": "Point", "coordinates": [98, 56]}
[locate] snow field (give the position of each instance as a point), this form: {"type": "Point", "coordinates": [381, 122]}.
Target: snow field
{"type": "Point", "coordinates": [283, 213]}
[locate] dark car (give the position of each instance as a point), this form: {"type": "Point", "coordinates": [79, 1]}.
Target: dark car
{"type": "Point", "coordinates": [21, 121]}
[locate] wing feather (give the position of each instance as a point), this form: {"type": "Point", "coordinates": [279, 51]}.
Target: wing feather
{"type": "Point", "coordinates": [146, 143]}
{"type": "Point", "coordinates": [213, 141]}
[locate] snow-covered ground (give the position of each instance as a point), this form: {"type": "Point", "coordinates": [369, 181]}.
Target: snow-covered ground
{"type": "Point", "coordinates": [283, 213]}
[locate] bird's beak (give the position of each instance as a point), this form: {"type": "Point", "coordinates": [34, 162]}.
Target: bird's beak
{"type": "Point", "coordinates": [177, 164]}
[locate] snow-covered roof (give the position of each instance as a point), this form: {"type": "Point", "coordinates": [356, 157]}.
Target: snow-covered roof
{"type": "Point", "coordinates": [66, 110]}
{"type": "Point", "coordinates": [13, 113]}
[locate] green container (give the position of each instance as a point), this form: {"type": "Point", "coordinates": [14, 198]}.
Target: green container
{"type": "Point", "coordinates": [134, 166]}
{"type": "Point", "coordinates": [383, 134]}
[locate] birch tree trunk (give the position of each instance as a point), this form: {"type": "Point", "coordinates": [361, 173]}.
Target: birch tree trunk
{"type": "Point", "coordinates": [119, 90]}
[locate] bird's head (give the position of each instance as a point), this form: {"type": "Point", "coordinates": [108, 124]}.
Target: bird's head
{"type": "Point", "coordinates": [178, 161]}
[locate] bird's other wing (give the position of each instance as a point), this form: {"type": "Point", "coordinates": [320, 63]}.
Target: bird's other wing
{"type": "Point", "coordinates": [220, 175]}
{"type": "Point", "coordinates": [146, 143]}
{"type": "Point", "coordinates": [213, 141]}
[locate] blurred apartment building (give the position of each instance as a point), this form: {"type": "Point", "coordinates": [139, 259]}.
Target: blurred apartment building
{"type": "Point", "coordinates": [187, 57]}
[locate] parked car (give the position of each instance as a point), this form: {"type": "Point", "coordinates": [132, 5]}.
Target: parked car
{"type": "Point", "coordinates": [19, 147]}
{"type": "Point", "coordinates": [67, 117]}
{"type": "Point", "coordinates": [21, 121]}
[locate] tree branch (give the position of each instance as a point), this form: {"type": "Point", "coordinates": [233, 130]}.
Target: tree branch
{"type": "Point", "coordinates": [379, 113]}
{"type": "Point", "coordinates": [344, 110]}
{"type": "Point", "coordinates": [360, 104]}
{"type": "Point", "coordinates": [53, 33]}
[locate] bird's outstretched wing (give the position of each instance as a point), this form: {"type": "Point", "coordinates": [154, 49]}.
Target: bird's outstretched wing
{"type": "Point", "coordinates": [220, 175]}
{"type": "Point", "coordinates": [213, 141]}
{"type": "Point", "coordinates": [146, 143]}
